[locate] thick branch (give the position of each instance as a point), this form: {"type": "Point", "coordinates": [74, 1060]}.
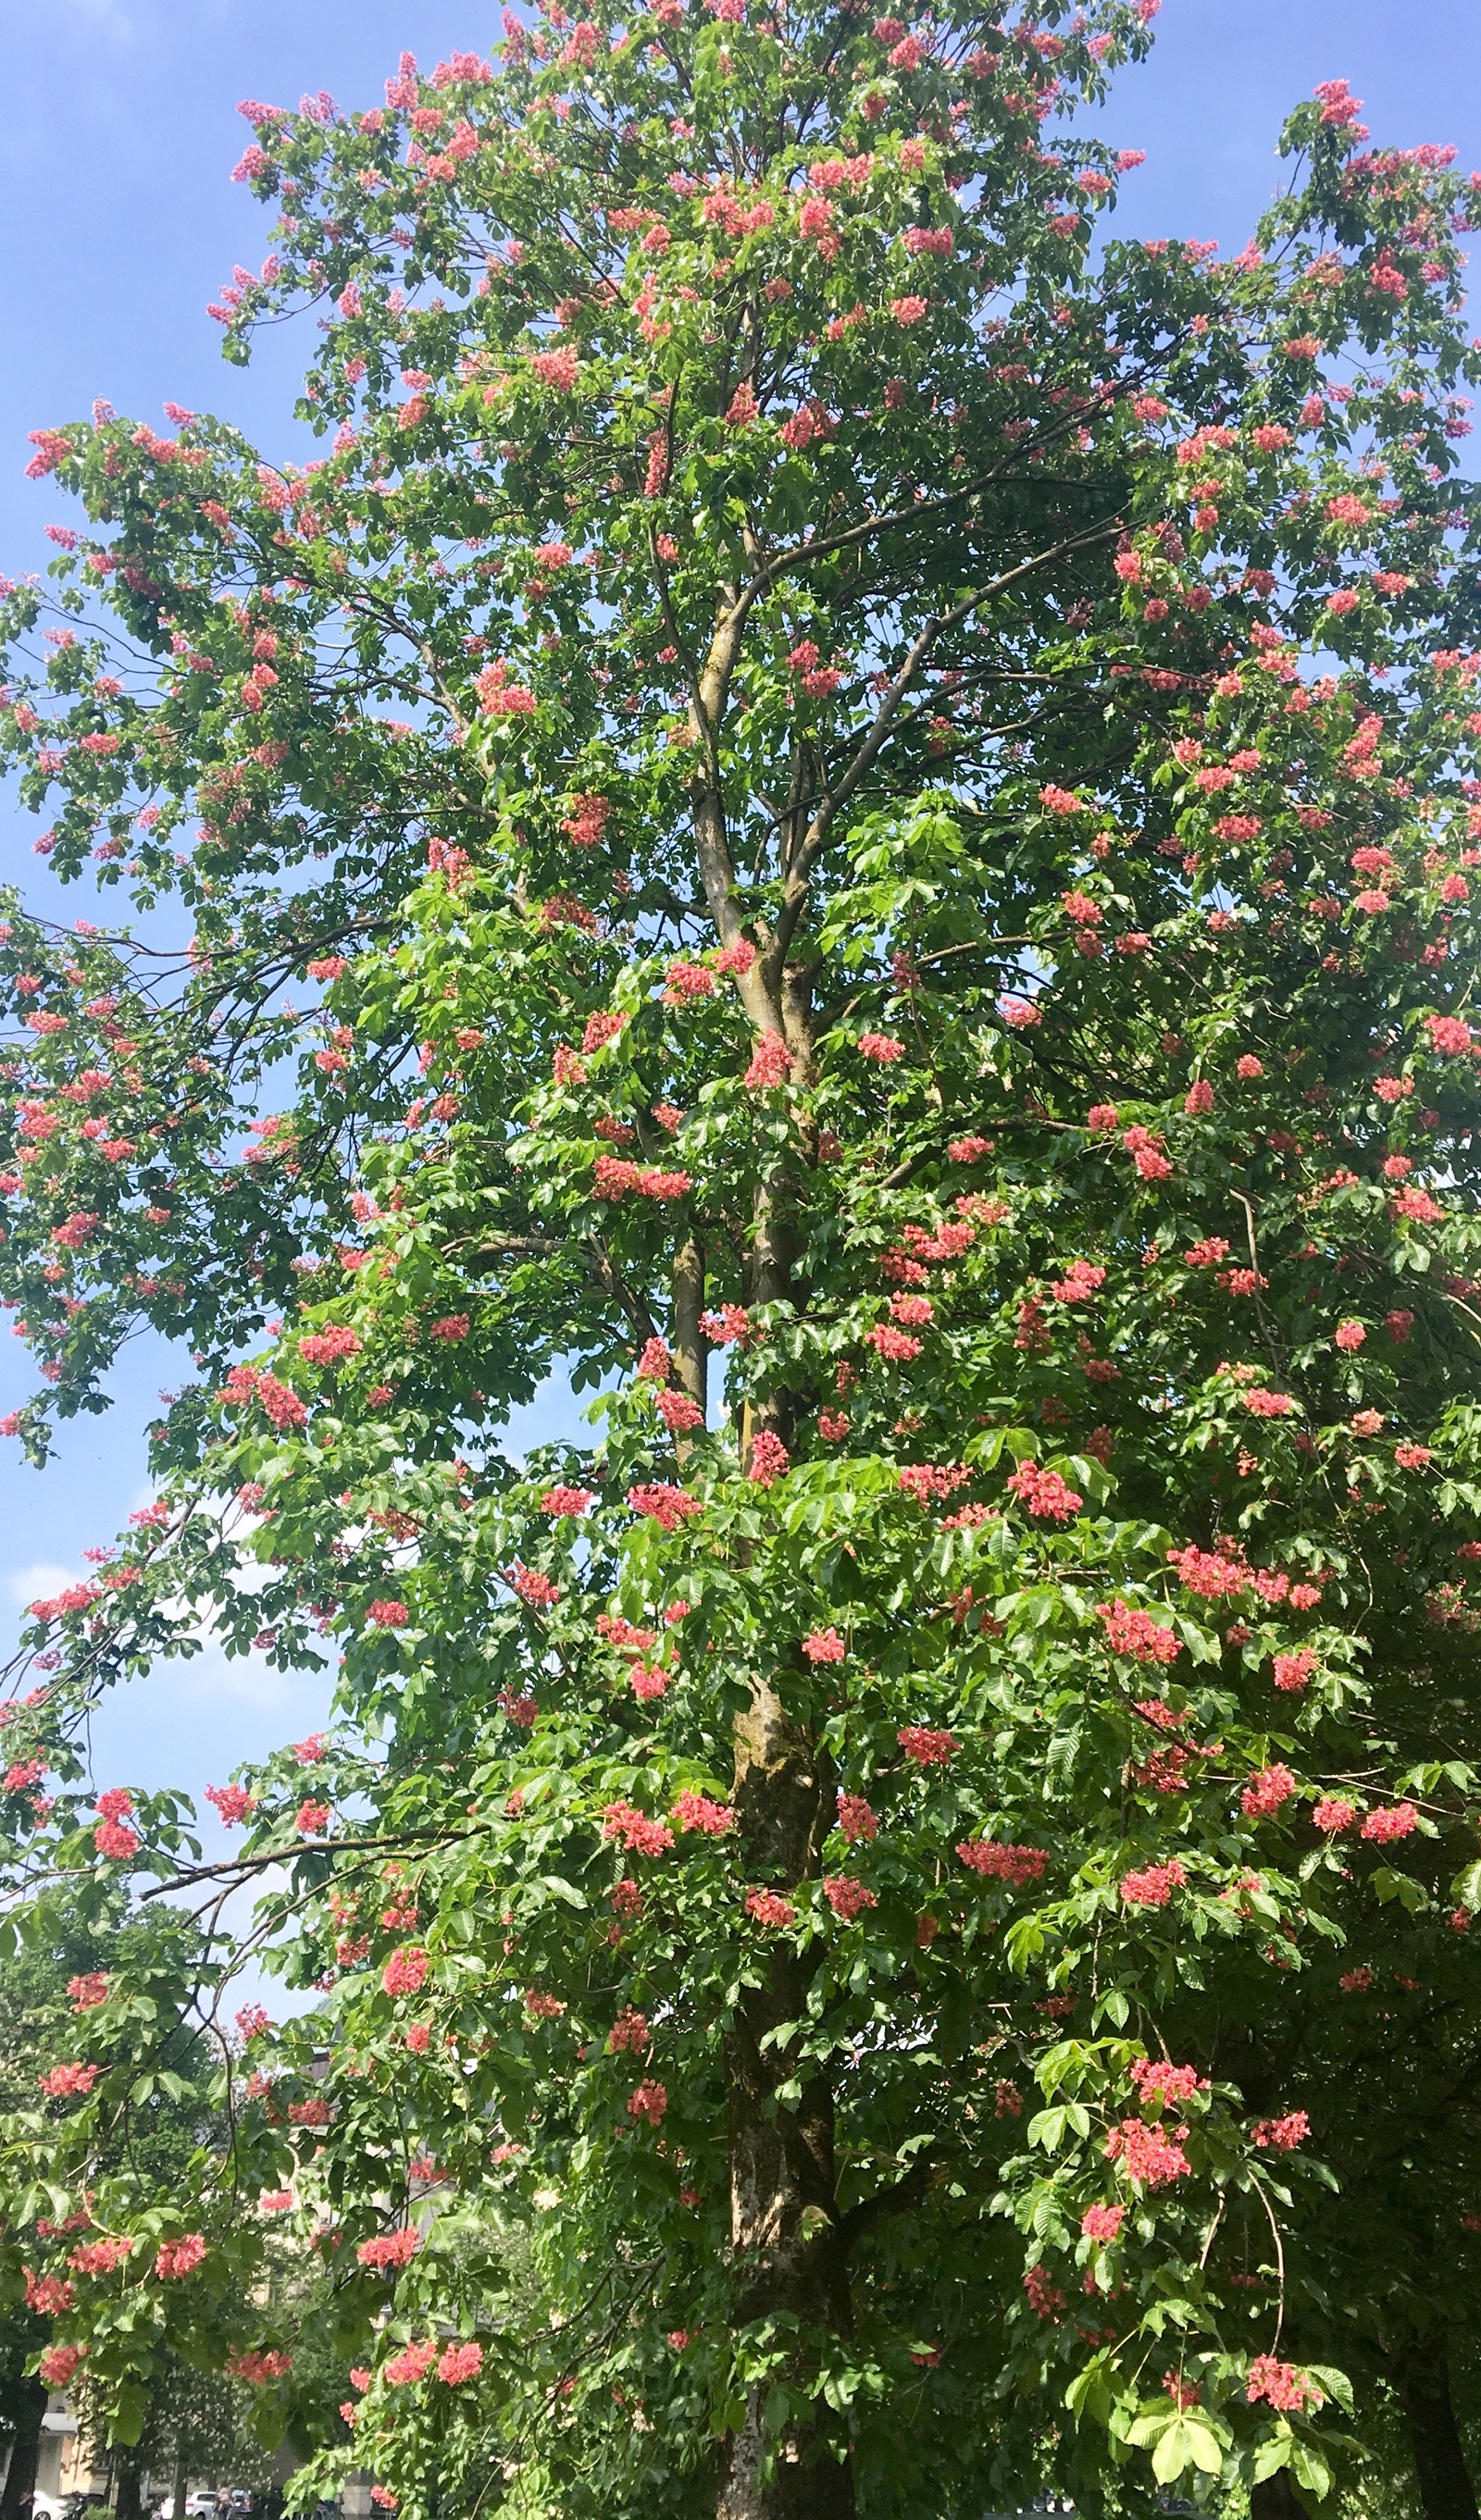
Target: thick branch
{"type": "Point", "coordinates": [816, 840]}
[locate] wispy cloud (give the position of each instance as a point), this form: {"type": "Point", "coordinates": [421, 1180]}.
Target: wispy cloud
{"type": "Point", "coordinates": [102, 17]}
{"type": "Point", "coordinates": [27, 1584]}
{"type": "Point", "coordinates": [248, 1680]}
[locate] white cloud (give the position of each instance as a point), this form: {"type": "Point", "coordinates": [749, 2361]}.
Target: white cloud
{"type": "Point", "coordinates": [190, 1683]}
{"type": "Point", "coordinates": [34, 1582]}
{"type": "Point", "coordinates": [99, 18]}
{"type": "Point", "coordinates": [249, 1680]}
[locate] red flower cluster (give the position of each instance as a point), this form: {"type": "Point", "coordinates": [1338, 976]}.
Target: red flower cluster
{"type": "Point", "coordinates": [668, 1505]}
{"type": "Point", "coordinates": [1450, 1035]}
{"type": "Point", "coordinates": [1044, 1493]}
{"type": "Point", "coordinates": [634, 1831]}
{"type": "Point", "coordinates": [178, 2258]}
{"type": "Point", "coordinates": [614, 1177]}
{"type": "Point", "coordinates": [411, 2365]}
{"type": "Point", "coordinates": [1266, 1791]}
{"type": "Point", "coordinates": [770, 1459]}
{"type": "Point", "coordinates": [102, 2256]}
{"type": "Point", "coordinates": [1280, 2385]}
{"type": "Point", "coordinates": [1147, 1154]}
{"type": "Point", "coordinates": [924, 1480]}
{"type": "Point", "coordinates": [1079, 1283]}
{"type": "Point", "coordinates": [324, 1347]}
{"type": "Point", "coordinates": [536, 1590]}
{"type": "Point", "coordinates": [1398, 1820]}
{"type": "Point", "coordinates": [68, 2082]}
{"type": "Point", "coordinates": [1135, 1633]}
{"type": "Point", "coordinates": [622, 1633]}
{"type": "Point", "coordinates": [1169, 2084]}
{"type": "Point", "coordinates": [1018, 1866]}
{"type": "Point", "coordinates": [1154, 1886]}
{"type": "Point", "coordinates": [459, 2362]}
{"type": "Point", "coordinates": [232, 1803]}
{"type": "Point", "coordinates": [260, 2365]}
{"type": "Point", "coordinates": [724, 1326]}
{"type": "Point", "coordinates": [388, 2249]}
{"type": "Point", "coordinates": [926, 1748]}
{"type": "Point", "coordinates": [1146, 2154]}
{"type": "Point", "coordinates": [111, 1836]}
{"type": "Point", "coordinates": [1334, 1814]}
{"type": "Point", "coordinates": [1282, 2134]}
{"type": "Point", "coordinates": [698, 1812]}
{"type": "Point", "coordinates": [896, 1347]}
{"type": "Point", "coordinates": [824, 1644]}
{"type": "Point", "coordinates": [770, 1063]}
{"type": "Point", "coordinates": [283, 1406]}
{"type": "Point", "coordinates": [1213, 1578]}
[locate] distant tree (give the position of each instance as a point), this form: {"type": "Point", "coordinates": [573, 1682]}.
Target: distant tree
{"type": "Point", "coordinates": [77, 1945]}
{"type": "Point", "coordinates": [23, 2404]}
{"type": "Point", "coordinates": [193, 2427]}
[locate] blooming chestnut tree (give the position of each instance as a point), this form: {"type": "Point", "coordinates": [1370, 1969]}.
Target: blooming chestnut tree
{"type": "Point", "coordinates": [848, 811]}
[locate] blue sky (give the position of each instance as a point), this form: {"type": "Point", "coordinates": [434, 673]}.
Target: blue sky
{"type": "Point", "coordinates": [118, 222]}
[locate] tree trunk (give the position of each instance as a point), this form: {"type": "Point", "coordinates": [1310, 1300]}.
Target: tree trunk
{"type": "Point", "coordinates": [690, 1347]}
{"type": "Point", "coordinates": [789, 2259]}
{"type": "Point", "coordinates": [789, 2262]}
{"type": "Point", "coordinates": [1275, 2499]}
{"type": "Point", "coordinates": [1446, 2492]}
{"type": "Point", "coordinates": [797, 1023]}
{"type": "Point", "coordinates": [20, 2475]}
{"type": "Point", "coordinates": [130, 2477]}
{"type": "Point", "coordinates": [771, 1282]}
{"type": "Point", "coordinates": [179, 2484]}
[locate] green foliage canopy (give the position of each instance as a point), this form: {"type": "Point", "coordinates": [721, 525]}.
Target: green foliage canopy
{"type": "Point", "coordinates": [923, 849]}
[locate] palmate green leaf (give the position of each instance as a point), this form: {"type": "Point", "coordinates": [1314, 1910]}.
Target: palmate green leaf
{"type": "Point", "coordinates": [1186, 2442]}
{"type": "Point", "coordinates": [1311, 2468]}
{"type": "Point", "coordinates": [1275, 2451]}
{"type": "Point", "coordinates": [1091, 2394]}
{"type": "Point", "coordinates": [1334, 2383]}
